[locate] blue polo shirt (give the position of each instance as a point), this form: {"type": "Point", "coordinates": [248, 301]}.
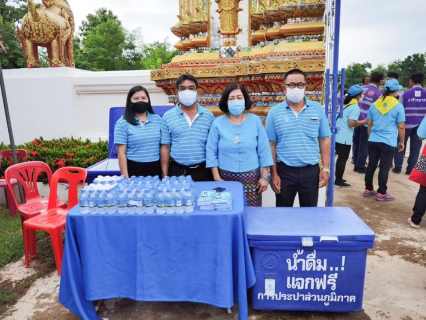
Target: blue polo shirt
{"type": "Point", "coordinates": [142, 140]}
{"type": "Point", "coordinates": [297, 136]}
{"type": "Point", "coordinates": [421, 130]}
{"type": "Point", "coordinates": [250, 153]}
{"type": "Point", "coordinates": [346, 133]}
{"type": "Point", "coordinates": [385, 127]}
{"type": "Point", "coordinates": [188, 142]}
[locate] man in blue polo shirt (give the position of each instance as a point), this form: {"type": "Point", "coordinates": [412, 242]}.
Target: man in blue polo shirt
{"type": "Point", "coordinates": [298, 133]}
{"type": "Point", "coordinates": [184, 132]}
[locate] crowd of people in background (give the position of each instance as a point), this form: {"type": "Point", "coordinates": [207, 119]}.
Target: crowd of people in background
{"type": "Point", "coordinates": [377, 120]}
{"type": "Point", "coordinates": [384, 117]}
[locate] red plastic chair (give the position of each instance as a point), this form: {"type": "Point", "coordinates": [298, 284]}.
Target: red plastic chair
{"type": "Point", "coordinates": [20, 154]}
{"type": "Point", "coordinates": [27, 174]}
{"type": "Point", "coordinates": [53, 222]}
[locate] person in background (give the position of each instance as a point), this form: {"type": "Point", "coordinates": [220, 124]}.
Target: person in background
{"type": "Point", "coordinates": [419, 208]}
{"type": "Point", "coordinates": [238, 147]}
{"type": "Point", "coordinates": [360, 150]}
{"type": "Point", "coordinates": [414, 102]}
{"type": "Point", "coordinates": [386, 119]}
{"type": "Point", "coordinates": [184, 132]}
{"type": "Point", "coordinates": [392, 75]}
{"type": "Point", "coordinates": [366, 80]}
{"type": "Point", "coordinates": [345, 91]}
{"type": "Point", "coordinates": [346, 124]}
{"type": "Point", "coordinates": [137, 136]}
{"type": "Point", "coordinates": [298, 133]}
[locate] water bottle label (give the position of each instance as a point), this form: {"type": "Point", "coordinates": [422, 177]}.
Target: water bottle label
{"type": "Point", "coordinates": [91, 204]}
{"type": "Point", "coordinates": [132, 203]}
{"type": "Point", "coordinates": [121, 205]}
{"type": "Point", "coordinates": [178, 203]}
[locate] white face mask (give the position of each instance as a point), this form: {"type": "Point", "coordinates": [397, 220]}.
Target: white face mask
{"type": "Point", "coordinates": [295, 95]}
{"type": "Point", "coordinates": [187, 97]}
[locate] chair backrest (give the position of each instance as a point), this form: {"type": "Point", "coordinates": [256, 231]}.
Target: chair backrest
{"type": "Point", "coordinates": [27, 174]}
{"type": "Point", "coordinates": [73, 176]}
{"type": "Point", "coordinates": [20, 154]}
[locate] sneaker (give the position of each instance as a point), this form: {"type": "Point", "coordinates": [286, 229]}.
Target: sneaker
{"type": "Point", "coordinates": [396, 170]}
{"type": "Point", "coordinates": [341, 184]}
{"type": "Point", "coordinates": [412, 224]}
{"type": "Point", "coordinates": [370, 193]}
{"type": "Point", "coordinates": [384, 197]}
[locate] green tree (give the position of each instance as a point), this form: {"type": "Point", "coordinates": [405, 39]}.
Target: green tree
{"type": "Point", "coordinates": [9, 16]}
{"type": "Point", "coordinates": [355, 72]}
{"type": "Point", "coordinates": [415, 62]}
{"type": "Point", "coordinates": [380, 68]}
{"type": "Point", "coordinates": [156, 54]}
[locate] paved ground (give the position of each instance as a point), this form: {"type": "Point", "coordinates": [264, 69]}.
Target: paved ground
{"type": "Point", "coordinates": [395, 286]}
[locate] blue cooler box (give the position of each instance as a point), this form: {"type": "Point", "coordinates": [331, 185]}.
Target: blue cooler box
{"type": "Point", "coordinates": [109, 167]}
{"type": "Point", "coordinates": [310, 259]}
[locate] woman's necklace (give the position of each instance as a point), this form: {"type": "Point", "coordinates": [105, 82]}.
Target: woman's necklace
{"type": "Point", "coordinates": [237, 135]}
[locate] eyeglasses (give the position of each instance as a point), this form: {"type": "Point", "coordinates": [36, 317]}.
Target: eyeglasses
{"type": "Point", "coordinates": [293, 85]}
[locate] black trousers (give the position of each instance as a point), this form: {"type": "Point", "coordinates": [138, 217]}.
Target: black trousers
{"type": "Point", "coordinates": [143, 169]}
{"type": "Point", "coordinates": [360, 151]}
{"type": "Point", "coordinates": [378, 151]}
{"type": "Point", "coordinates": [197, 172]}
{"type": "Point", "coordinates": [419, 208]}
{"type": "Point", "coordinates": [303, 180]}
{"type": "Point", "coordinates": [342, 151]}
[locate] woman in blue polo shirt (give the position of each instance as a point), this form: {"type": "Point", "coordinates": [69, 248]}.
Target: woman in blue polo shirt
{"type": "Point", "coordinates": [386, 120]}
{"type": "Point", "coordinates": [137, 136]}
{"type": "Point", "coordinates": [238, 147]}
{"type": "Point", "coordinates": [346, 124]}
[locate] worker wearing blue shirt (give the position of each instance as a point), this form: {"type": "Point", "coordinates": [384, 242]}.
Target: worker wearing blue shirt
{"type": "Point", "coordinates": [184, 132]}
{"type": "Point", "coordinates": [299, 133]}
{"type": "Point", "coordinates": [238, 147]}
{"type": "Point", "coordinates": [137, 136]}
{"type": "Point", "coordinates": [386, 120]}
{"type": "Point", "coordinates": [419, 208]}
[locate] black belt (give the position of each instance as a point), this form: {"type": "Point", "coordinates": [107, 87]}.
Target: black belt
{"type": "Point", "coordinates": [191, 166]}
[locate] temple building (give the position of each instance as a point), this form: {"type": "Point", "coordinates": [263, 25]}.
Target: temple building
{"type": "Point", "coordinates": [253, 42]}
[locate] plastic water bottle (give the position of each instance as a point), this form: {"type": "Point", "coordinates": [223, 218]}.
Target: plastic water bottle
{"type": "Point", "coordinates": [101, 201]}
{"type": "Point", "coordinates": [178, 202]}
{"type": "Point", "coordinates": [130, 202]}
{"type": "Point", "coordinates": [83, 201]}
{"type": "Point", "coordinates": [110, 202]}
{"type": "Point", "coordinates": [161, 202]}
{"type": "Point", "coordinates": [188, 201]}
{"type": "Point", "coordinates": [170, 201]}
{"type": "Point", "coordinates": [139, 199]}
{"type": "Point", "coordinates": [121, 202]}
{"type": "Point", "coordinates": [92, 201]}
{"type": "Point", "coordinates": [148, 202]}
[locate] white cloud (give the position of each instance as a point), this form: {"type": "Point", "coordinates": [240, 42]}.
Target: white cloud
{"type": "Point", "coordinates": [377, 31]}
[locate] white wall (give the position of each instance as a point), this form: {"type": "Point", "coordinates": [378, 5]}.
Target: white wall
{"type": "Point", "coordinates": [64, 102]}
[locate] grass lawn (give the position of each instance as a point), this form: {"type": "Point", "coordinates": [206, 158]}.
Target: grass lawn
{"type": "Point", "coordinates": [12, 249]}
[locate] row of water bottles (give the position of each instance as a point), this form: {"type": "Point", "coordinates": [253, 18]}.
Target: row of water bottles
{"type": "Point", "coordinates": [138, 195]}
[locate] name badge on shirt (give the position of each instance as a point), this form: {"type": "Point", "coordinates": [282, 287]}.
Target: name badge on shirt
{"type": "Point", "coordinates": [314, 118]}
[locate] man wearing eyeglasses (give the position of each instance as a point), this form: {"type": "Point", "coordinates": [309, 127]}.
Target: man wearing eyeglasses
{"type": "Point", "coordinates": [298, 133]}
{"type": "Point", "coordinates": [184, 132]}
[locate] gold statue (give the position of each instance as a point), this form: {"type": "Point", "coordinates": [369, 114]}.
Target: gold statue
{"type": "Point", "coordinates": [228, 10]}
{"type": "Point", "coordinates": [51, 26]}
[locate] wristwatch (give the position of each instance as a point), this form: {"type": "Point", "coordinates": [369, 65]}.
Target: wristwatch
{"type": "Point", "coordinates": [326, 170]}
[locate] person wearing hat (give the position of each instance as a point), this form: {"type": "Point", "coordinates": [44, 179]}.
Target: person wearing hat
{"type": "Point", "coordinates": [386, 121]}
{"type": "Point", "coordinates": [346, 123]}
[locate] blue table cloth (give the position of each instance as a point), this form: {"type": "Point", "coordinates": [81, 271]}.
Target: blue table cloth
{"type": "Point", "coordinates": [199, 257]}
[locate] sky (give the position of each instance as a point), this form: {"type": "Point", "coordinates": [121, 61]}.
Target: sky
{"type": "Point", "coordinates": [375, 31]}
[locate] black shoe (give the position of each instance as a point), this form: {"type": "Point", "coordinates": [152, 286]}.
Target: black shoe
{"type": "Point", "coordinates": [343, 180]}
{"type": "Point", "coordinates": [355, 169]}
{"type": "Point", "coordinates": [361, 170]}
{"type": "Point", "coordinates": [342, 184]}
{"type": "Point", "coordinates": [407, 173]}
{"type": "Point", "coordinates": [396, 170]}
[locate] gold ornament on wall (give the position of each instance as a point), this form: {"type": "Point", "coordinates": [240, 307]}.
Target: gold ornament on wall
{"type": "Point", "coordinates": [51, 26]}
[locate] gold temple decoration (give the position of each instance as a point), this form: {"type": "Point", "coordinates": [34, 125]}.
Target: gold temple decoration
{"type": "Point", "coordinates": [253, 42]}
{"type": "Point", "coordinates": [51, 26]}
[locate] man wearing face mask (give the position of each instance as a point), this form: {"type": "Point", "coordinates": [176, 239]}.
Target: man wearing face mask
{"type": "Point", "coordinates": [298, 134]}
{"type": "Point", "coordinates": [184, 131]}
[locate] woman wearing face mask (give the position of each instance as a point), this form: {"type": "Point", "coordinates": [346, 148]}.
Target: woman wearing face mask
{"type": "Point", "coordinates": [346, 124]}
{"type": "Point", "coordinates": [137, 136]}
{"type": "Point", "coordinates": [238, 147]}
